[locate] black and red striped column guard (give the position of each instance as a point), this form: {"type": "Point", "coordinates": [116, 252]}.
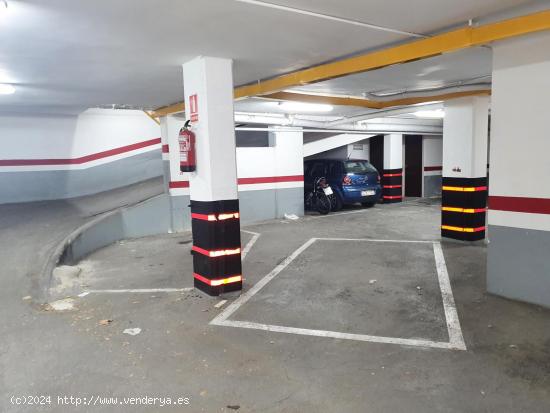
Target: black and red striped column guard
{"type": "Point", "coordinates": [216, 246]}
{"type": "Point", "coordinates": [392, 185]}
{"type": "Point", "coordinates": [463, 208]}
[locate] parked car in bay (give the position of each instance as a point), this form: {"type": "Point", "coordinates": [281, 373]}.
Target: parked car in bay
{"type": "Point", "coordinates": [352, 180]}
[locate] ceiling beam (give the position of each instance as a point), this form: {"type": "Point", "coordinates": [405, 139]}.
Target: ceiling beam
{"type": "Point", "coordinates": [414, 50]}
{"type": "Point", "coordinates": [408, 52]}
{"type": "Point", "coordinates": [372, 104]}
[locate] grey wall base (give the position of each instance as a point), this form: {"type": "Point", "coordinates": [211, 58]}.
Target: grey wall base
{"type": "Point", "coordinates": [432, 185]}
{"type": "Point", "coordinates": [149, 217]}
{"type": "Point", "coordinates": [62, 184]}
{"type": "Point", "coordinates": [518, 264]}
{"type": "Point", "coordinates": [164, 213]}
{"type": "Point", "coordinates": [270, 203]}
{"type": "Point", "coordinates": [180, 214]}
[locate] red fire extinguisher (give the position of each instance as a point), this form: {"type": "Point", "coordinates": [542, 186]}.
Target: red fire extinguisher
{"type": "Point", "coordinates": [186, 141]}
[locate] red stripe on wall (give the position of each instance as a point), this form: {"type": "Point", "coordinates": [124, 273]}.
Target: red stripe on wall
{"type": "Point", "coordinates": [165, 149]}
{"type": "Point", "coordinates": [433, 168]}
{"type": "Point", "coordinates": [520, 204]}
{"type": "Point", "coordinates": [271, 179]}
{"type": "Point", "coordinates": [81, 160]}
{"type": "Point", "coordinates": [178, 184]}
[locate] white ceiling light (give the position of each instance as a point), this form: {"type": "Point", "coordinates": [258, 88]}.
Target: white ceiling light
{"type": "Point", "coordinates": [6, 89]}
{"type": "Point", "coordinates": [304, 107]}
{"type": "Point", "coordinates": [430, 114]}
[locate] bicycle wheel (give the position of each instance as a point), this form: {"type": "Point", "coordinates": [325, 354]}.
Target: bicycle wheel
{"type": "Point", "coordinates": [323, 204]}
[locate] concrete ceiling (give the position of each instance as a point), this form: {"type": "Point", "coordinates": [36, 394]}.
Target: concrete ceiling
{"type": "Point", "coordinates": [64, 56]}
{"type": "Point", "coordinates": [426, 73]}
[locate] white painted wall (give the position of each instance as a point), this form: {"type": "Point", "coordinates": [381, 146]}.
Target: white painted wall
{"type": "Point", "coordinates": [359, 153]}
{"type": "Point", "coordinates": [62, 137]}
{"type": "Point", "coordinates": [433, 153]}
{"type": "Point", "coordinates": [283, 159]}
{"type": "Point", "coordinates": [333, 142]}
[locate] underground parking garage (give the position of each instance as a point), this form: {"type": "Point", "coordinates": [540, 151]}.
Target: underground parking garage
{"type": "Point", "coordinates": [202, 211]}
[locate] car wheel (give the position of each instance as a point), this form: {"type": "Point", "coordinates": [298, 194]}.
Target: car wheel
{"type": "Point", "coordinates": [368, 204]}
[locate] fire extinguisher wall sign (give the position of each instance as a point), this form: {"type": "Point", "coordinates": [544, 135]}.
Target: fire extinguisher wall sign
{"type": "Point", "coordinates": [186, 140]}
{"type": "Point", "coordinates": [193, 108]}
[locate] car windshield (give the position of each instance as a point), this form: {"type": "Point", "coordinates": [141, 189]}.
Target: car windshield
{"type": "Point", "coordinates": [359, 167]}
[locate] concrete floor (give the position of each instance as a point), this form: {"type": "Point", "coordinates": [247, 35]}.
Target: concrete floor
{"type": "Point", "coordinates": [506, 366]}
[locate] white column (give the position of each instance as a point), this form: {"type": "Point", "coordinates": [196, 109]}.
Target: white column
{"type": "Point", "coordinates": [464, 182]}
{"type": "Point", "coordinates": [519, 194]}
{"type": "Point", "coordinates": [211, 81]}
{"type": "Point", "coordinates": [215, 217]}
{"type": "Point", "coordinates": [392, 175]}
{"type": "Point", "coordinates": [465, 131]}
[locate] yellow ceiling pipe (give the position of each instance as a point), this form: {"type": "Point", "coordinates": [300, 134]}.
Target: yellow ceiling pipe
{"type": "Point", "coordinates": [415, 50]}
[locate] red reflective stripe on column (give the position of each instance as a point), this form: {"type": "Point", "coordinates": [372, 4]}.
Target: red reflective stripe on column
{"type": "Point", "coordinates": [203, 217]}
{"type": "Point", "coordinates": [216, 253]}
{"type": "Point", "coordinates": [165, 149]}
{"type": "Point", "coordinates": [178, 184]}
{"type": "Point", "coordinates": [218, 282]}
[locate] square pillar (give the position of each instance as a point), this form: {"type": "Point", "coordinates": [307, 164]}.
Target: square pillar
{"type": "Point", "coordinates": [518, 256]}
{"type": "Point", "coordinates": [464, 182]}
{"type": "Point", "coordinates": [392, 174]}
{"type": "Point", "coordinates": [215, 219]}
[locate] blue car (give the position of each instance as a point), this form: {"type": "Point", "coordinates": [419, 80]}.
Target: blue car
{"type": "Point", "coordinates": [352, 180]}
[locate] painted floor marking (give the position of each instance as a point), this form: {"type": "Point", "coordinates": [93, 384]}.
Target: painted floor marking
{"type": "Point", "coordinates": [250, 243]}
{"type": "Point", "coordinates": [451, 315]}
{"type": "Point", "coordinates": [220, 304]}
{"type": "Point", "coordinates": [456, 340]}
{"type": "Point", "coordinates": [245, 251]}
{"type": "Point", "coordinates": [137, 290]}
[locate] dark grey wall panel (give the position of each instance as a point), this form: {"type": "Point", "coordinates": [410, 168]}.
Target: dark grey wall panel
{"type": "Point", "coordinates": [62, 184]}
{"type": "Point", "coordinates": [518, 265]}
{"type": "Point", "coordinates": [432, 185]}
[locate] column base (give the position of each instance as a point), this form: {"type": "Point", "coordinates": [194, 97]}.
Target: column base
{"type": "Point", "coordinates": [463, 208]}
{"type": "Point", "coordinates": [392, 186]}
{"type": "Point", "coordinates": [215, 291]}
{"type": "Point", "coordinates": [216, 246]}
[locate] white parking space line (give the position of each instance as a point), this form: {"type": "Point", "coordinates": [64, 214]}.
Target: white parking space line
{"type": "Point", "coordinates": [361, 211]}
{"type": "Point", "coordinates": [137, 290]}
{"type": "Point", "coordinates": [335, 334]}
{"type": "Point", "coordinates": [234, 306]}
{"type": "Point", "coordinates": [250, 243]}
{"type": "Point", "coordinates": [453, 323]}
{"type": "Point", "coordinates": [456, 340]}
{"type": "Point", "coordinates": [376, 240]}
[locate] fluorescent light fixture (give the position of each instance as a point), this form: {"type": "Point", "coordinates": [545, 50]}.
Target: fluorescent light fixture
{"type": "Point", "coordinates": [304, 107]}
{"type": "Point", "coordinates": [6, 89]}
{"type": "Point", "coordinates": [430, 114]}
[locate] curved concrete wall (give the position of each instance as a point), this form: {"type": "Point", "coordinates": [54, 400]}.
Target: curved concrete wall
{"type": "Point", "coordinates": [149, 217]}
